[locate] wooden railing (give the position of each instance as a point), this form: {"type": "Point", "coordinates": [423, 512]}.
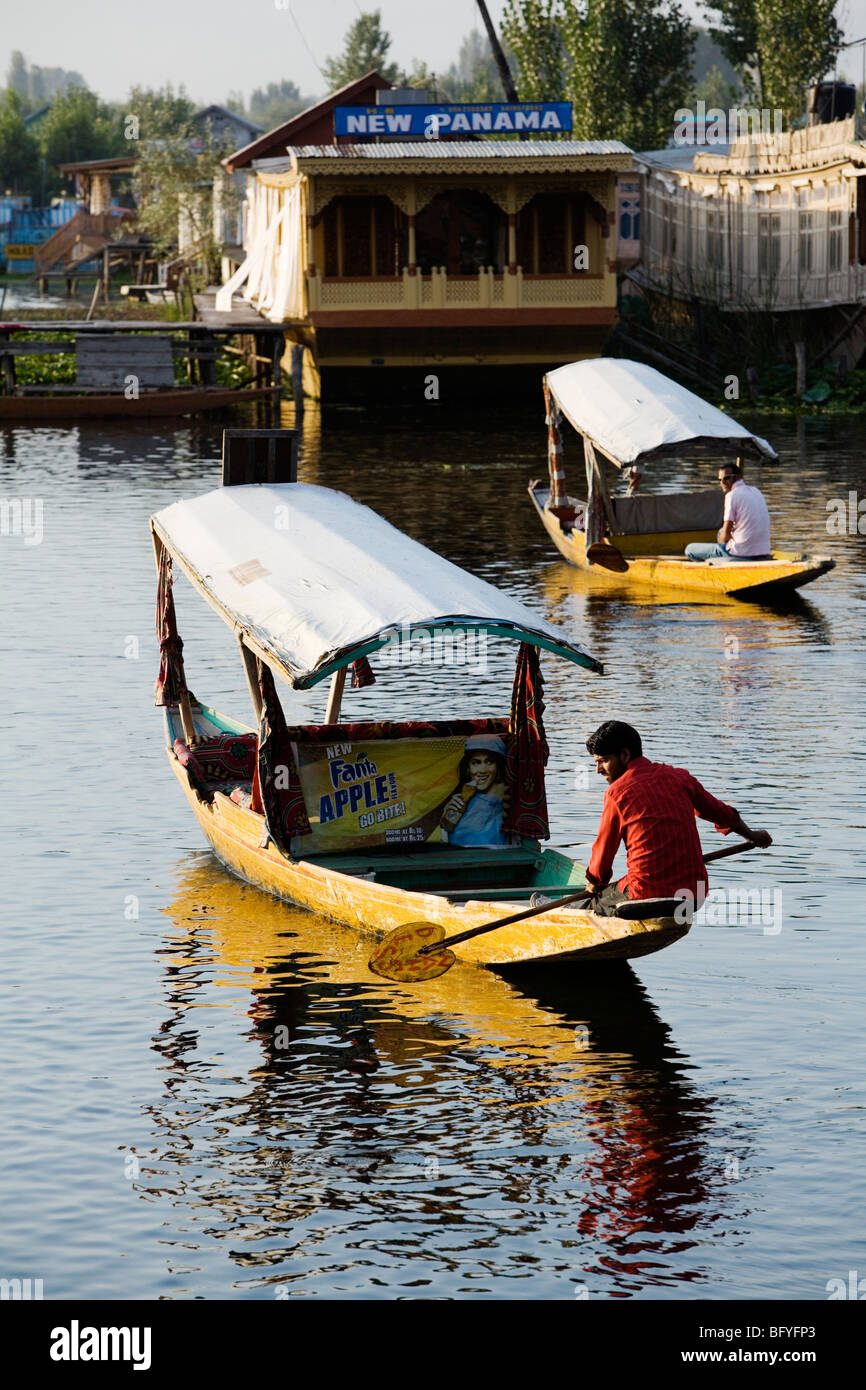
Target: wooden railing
{"type": "Point", "coordinates": [438, 290]}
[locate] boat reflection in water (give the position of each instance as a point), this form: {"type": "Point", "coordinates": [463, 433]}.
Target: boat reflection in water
{"type": "Point", "coordinates": [739, 640]}
{"type": "Point", "coordinates": [378, 1141]}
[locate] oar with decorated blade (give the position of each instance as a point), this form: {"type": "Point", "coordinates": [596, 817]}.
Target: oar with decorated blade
{"type": "Point", "coordinates": [420, 951]}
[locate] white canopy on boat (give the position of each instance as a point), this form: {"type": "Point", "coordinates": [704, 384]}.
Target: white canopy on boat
{"type": "Point", "coordinates": [630, 412]}
{"type": "Point", "coordinates": [313, 579]}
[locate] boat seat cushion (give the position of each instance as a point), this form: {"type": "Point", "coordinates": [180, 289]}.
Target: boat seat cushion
{"type": "Point", "coordinates": [219, 764]}
{"type": "Point", "coordinates": [671, 511]}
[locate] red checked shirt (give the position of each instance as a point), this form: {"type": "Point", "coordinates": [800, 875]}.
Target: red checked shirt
{"type": "Point", "coordinates": [652, 807]}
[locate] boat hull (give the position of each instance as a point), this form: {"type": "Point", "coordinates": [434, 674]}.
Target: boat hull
{"type": "Point", "coordinates": [753, 579]}
{"type": "Point", "coordinates": [177, 401]}
{"type": "Point", "coordinates": [560, 935]}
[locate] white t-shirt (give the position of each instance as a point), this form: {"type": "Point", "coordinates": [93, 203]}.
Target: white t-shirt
{"type": "Point", "coordinates": [746, 509]}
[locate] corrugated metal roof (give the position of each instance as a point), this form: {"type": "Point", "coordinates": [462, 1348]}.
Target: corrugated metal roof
{"type": "Point", "coordinates": [463, 149]}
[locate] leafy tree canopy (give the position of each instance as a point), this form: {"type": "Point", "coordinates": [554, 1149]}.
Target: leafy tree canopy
{"type": "Point", "coordinates": [366, 47]}
{"type": "Point", "coordinates": [778, 47]}
{"type": "Point", "coordinates": [623, 64]}
{"type": "Point", "coordinates": [19, 152]}
{"type": "Point", "coordinates": [78, 126]}
{"type": "Point", "coordinates": [34, 85]}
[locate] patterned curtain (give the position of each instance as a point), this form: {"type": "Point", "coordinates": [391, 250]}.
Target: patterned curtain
{"type": "Point", "coordinates": [596, 515]}
{"type": "Point", "coordinates": [171, 681]}
{"type": "Point", "coordinates": [528, 750]}
{"type": "Point", "coordinates": [558, 502]}
{"type": "Point", "coordinates": [279, 783]}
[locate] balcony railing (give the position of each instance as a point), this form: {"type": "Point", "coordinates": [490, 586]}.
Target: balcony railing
{"type": "Point", "coordinates": [438, 290]}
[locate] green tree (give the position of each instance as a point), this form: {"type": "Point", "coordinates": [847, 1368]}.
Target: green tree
{"type": "Point", "coordinates": [625, 65]}
{"type": "Point", "coordinates": [474, 76]}
{"type": "Point", "coordinates": [366, 48]}
{"type": "Point", "coordinates": [275, 104]}
{"type": "Point", "coordinates": [78, 126]}
{"type": "Point", "coordinates": [714, 91]}
{"type": "Point", "coordinates": [19, 152]}
{"type": "Point", "coordinates": [176, 172]}
{"type": "Point", "coordinates": [778, 47]}
{"type": "Point", "coordinates": [533, 31]}
{"type": "Point", "coordinates": [37, 85]}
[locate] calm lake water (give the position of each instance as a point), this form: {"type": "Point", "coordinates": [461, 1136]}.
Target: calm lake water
{"type": "Point", "coordinates": [689, 1128]}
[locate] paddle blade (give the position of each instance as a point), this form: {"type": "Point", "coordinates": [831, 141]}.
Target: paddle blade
{"type": "Point", "coordinates": [397, 958]}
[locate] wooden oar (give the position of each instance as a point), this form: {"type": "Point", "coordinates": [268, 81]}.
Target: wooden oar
{"type": "Point", "coordinates": [419, 951]}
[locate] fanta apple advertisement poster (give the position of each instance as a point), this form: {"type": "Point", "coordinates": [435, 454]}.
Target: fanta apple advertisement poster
{"type": "Point", "coordinates": [404, 791]}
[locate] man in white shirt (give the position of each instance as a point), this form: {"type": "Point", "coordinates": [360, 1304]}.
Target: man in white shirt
{"type": "Point", "coordinates": [745, 533]}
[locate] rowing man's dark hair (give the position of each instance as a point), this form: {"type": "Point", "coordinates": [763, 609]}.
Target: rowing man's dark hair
{"type": "Point", "coordinates": [612, 737]}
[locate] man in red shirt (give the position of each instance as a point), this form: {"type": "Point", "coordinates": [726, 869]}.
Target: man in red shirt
{"type": "Point", "coordinates": [652, 807]}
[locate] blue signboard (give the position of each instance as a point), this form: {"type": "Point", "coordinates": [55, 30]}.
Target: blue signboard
{"type": "Point", "coordinates": [470, 118]}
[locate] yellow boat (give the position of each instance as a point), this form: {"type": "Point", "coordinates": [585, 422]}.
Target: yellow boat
{"type": "Point", "coordinates": [373, 824]}
{"type": "Point", "coordinates": [630, 414]}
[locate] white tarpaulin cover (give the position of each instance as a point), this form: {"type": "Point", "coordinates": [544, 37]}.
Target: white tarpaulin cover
{"type": "Point", "coordinates": [273, 272]}
{"type": "Point", "coordinates": [312, 577]}
{"type": "Point", "coordinates": [627, 410]}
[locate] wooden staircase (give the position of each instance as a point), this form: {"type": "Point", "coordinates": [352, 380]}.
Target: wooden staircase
{"type": "Point", "coordinates": [83, 236]}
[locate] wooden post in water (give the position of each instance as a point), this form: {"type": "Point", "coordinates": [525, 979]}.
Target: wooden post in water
{"type": "Point", "coordinates": [8, 367]}
{"type": "Point", "coordinates": [298, 382]}
{"type": "Point", "coordinates": [259, 456]}
{"type": "Point", "coordinates": [277, 372]}
{"type": "Point", "coordinates": [800, 351]}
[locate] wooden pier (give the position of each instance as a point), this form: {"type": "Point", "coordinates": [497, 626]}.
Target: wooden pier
{"type": "Point", "coordinates": [128, 368]}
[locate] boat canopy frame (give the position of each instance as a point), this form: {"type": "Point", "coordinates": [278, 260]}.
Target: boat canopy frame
{"type": "Point", "coordinates": [633, 414]}
{"type": "Point", "coordinates": [228, 587]}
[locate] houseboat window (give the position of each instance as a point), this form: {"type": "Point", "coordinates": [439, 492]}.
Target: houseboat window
{"type": "Point", "coordinates": [834, 240]}
{"type": "Point", "coordinates": [548, 229]}
{"type": "Point", "coordinates": [712, 239]}
{"type": "Point", "coordinates": [769, 245]}
{"type": "Point", "coordinates": [629, 219]}
{"type": "Point", "coordinates": [805, 242]}
{"type": "Point", "coordinates": [364, 236]}
{"type": "Point", "coordinates": [462, 230]}
{"type": "Point", "coordinates": [861, 221]}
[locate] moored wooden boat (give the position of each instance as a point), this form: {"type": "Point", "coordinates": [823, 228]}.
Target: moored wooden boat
{"type": "Point", "coordinates": [177, 400]}
{"type": "Point", "coordinates": [623, 560]}
{"type": "Point", "coordinates": [352, 820]}
{"type": "Point", "coordinates": [630, 415]}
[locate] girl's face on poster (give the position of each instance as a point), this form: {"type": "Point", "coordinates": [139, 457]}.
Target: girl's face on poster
{"type": "Point", "coordinates": [482, 771]}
